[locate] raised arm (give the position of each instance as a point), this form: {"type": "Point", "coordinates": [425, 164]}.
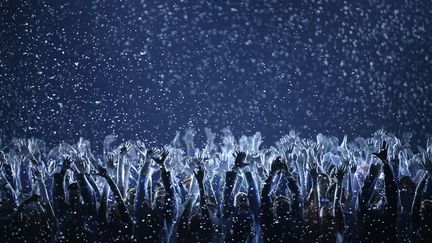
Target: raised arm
{"type": "Point", "coordinates": [169, 206]}
{"type": "Point", "coordinates": [142, 197]}
{"type": "Point", "coordinates": [39, 178]}
{"type": "Point", "coordinates": [7, 192]}
{"type": "Point", "coordinates": [313, 195]}
{"type": "Point", "coordinates": [58, 194]}
{"type": "Point", "coordinates": [369, 184]}
{"type": "Point", "coordinates": [124, 214]}
{"type": "Point", "coordinates": [121, 168]}
{"type": "Point", "coordinates": [265, 208]}
{"type": "Point", "coordinates": [82, 169]}
{"type": "Point", "coordinates": [199, 175]}
{"type": "Point", "coordinates": [87, 194]}
{"type": "Point", "coordinates": [391, 190]}
{"type": "Point", "coordinates": [103, 206]}
{"type": "Point", "coordinates": [337, 205]}
{"type": "Point", "coordinates": [231, 184]}
{"type": "Point", "coordinates": [228, 205]}
{"type": "Point", "coordinates": [253, 194]}
{"type": "Point", "coordinates": [415, 209]}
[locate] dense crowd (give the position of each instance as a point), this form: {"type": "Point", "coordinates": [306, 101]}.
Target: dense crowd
{"type": "Point", "coordinates": [373, 189]}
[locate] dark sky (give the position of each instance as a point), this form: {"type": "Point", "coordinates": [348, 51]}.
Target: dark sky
{"type": "Point", "coordinates": [145, 69]}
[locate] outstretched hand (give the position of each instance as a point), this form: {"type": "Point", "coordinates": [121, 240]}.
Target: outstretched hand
{"type": "Point", "coordinates": [199, 173]}
{"type": "Point", "coordinates": [110, 158]}
{"type": "Point", "coordinates": [382, 154]}
{"type": "Point", "coordinates": [67, 161]}
{"type": "Point", "coordinates": [151, 151]}
{"type": "Point", "coordinates": [312, 169]}
{"type": "Point", "coordinates": [125, 148]}
{"type": "Point", "coordinates": [102, 171]}
{"type": "Point", "coordinates": [24, 148]}
{"type": "Point", "coordinates": [81, 164]}
{"type": "Point", "coordinates": [161, 159]}
{"type": "Point", "coordinates": [277, 165]}
{"type": "Point", "coordinates": [340, 173]}
{"type": "Point", "coordinates": [353, 167]}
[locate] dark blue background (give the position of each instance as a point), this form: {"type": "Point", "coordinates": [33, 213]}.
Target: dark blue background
{"type": "Point", "coordinates": [147, 69]}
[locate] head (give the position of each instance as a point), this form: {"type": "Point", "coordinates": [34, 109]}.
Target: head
{"type": "Point", "coordinates": [31, 213]}
{"type": "Point", "coordinates": [130, 199]}
{"type": "Point", "coordinates": [326, 214]}
{"type": "Point", "coordinates": [241, 201]}
{"type": "Point", "coordinates": [195, 223]}
{"type": "Point", "coordinates": [426, 210]}
{"type": "Point", "coordinates": [130, 196]}
{"type": "Point", "coordinates": [74, 194]}
{"type": "Point", "coordinates": [407, 185]}
{"type": "Point", "coordinates": [323, 183]}
{"type": "Point", "coordinates": [281, 206]}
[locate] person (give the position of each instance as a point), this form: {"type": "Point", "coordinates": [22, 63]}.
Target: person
{"type": "Point", "coordinates": [299, 190]}
{"type": "Point", "coordinates": [282, 219]}
{"type": "Point", "coordinates": [239, 217]}
{"type": "Point", "coordinates": [421, 210]}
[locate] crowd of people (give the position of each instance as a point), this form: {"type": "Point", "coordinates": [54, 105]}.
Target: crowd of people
{"type": "Point", "coordinates": [374, 189]}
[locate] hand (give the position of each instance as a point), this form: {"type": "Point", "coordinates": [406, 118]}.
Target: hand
{"type": "Point", "coordinates": [110, 158]}
{"type": "Point", "coordinates": [347, 158]}
{"type": "Point", "coordinates": [102, 171]}
{"type": "Point", "coordinates": [23, 148]}
{"type": "Point", "coordinates": [151, 151]}
{"type": "Point", "coordinates": [317, 152]}
{"type": "Point", "coordinates": [81, 164]}
{"type": "Point", "coordinates": [199, 174]}
{"type": "Point", "coordinates": [308, 143]}
{"type": "Point", "coordinates": [239, 160]}
{"type": "Point", "coordinates": [277, 165]}
{"type": "Point", "coordinates": [141, 147]}
{"type": "Point", "coordinates": [353, 167]}
{"type": "Point", "coordinates": [287, 149]}
{"type": "Point", "coordinates": [427, 163]}
{"type": "Point", "coordinates": [189, 136]}
{"type": "Point", "coordinates": [201, 157]}
{"type": "Point", "coordinates": [125, 148]}
{"type": "Point", "coordinates": [161, 159]}
{"type": "Point", "coordinates": [340, 173]}
{"type": "Point", "coordinates": [312, 169]}
{"type": "Point", "coordinates": [382, 154]}
{"type": "Point", "coordinates": [67, 161]}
